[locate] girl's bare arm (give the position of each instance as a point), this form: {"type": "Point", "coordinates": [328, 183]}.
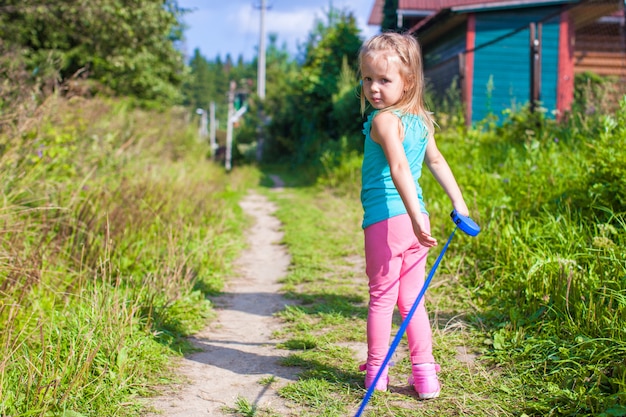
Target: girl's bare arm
{"type": "Point", "coordinates": [386, 131]}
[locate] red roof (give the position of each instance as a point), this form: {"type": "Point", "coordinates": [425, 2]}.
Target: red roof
{"type": "Point", "coordinates": [439, 4]}
{"type": "Point", "coordinates": [376, 15]}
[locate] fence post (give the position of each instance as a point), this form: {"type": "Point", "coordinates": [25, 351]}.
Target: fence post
{"type": "Point", "coordinates": [535, 65]}
{"type": "Point", "coordinates": [229, 126]}
{"type": "Point", "coordinates": [213, 130]}
{"type": "Point", "coordinates": [203, 129]}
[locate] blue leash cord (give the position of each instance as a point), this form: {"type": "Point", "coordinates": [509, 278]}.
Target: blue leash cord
{"type": "Point", "coordinates": [403, 326]}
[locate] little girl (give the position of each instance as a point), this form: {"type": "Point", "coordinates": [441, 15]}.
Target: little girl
{"type": "Point", "coordinates": [399, 137]}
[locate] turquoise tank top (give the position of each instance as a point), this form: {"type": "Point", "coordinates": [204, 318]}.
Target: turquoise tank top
{"type": "Point", "coordinates": [379, 196]}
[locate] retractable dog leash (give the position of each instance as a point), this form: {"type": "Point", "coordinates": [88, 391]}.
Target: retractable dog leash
{"type": "Point", "coordinates": [467, 226]}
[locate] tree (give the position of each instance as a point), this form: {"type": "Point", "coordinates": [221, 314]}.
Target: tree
{"type": "Point", "coordinates": [199, 88]}
{"type": "Point", "coordinates": [390, 17]}
{"type": "Point", "coordinates": [127, 45]}
{"type": "Point", "coordinates": [282, 72]}
{"type": "Point", "coordinates": [305, 122]}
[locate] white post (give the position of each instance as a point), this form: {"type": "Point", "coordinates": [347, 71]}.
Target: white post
{"type": "Point", "coordinates": [213, 129]}
{"type": "Point", "coordinates": [229, 126]}
{"type": "Point", "coordinates": [261, 60]}
{"type": "Point", "coordinates": [203, 129]}
{"type": "Point", "coordinates": [261, 85]}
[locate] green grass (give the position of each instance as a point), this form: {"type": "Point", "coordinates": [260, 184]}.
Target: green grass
{"type": "Point", "coordinates": [243, 408]}
{"type": "Point", "coordinates": [115, 228]}
{"type": "Point", "coordinates": [536, 301]}
{"type": "Point", "coordinates": [326, 329]}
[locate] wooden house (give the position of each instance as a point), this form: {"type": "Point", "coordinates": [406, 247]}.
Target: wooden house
{"type": "Point", "coordinates": [504, 54]}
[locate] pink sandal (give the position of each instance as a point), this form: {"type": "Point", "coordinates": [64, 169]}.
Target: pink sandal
{"type": "Point", "coordinates": [424, 380]}
{"type": "Point", "coordinates": [370, 376]}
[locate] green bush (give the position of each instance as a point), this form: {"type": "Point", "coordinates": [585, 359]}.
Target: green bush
{"type": "Point", "coordinates": [116, 229]}
{"type": "Point", "coordinates": [607, 168]}
{"type": "Point", "coordinates": [547, 273]}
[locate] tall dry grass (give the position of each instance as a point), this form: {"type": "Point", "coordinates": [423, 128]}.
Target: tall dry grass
{"type": "Point", "coordinates": [114, 227]}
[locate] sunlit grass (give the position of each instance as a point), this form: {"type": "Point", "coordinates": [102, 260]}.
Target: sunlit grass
{"type": "Point", "coordinates": [325, 330]}
{"type": "Point", "coordinates": [116, 227]}
{"type": "Point", "coordinates": [536, 301]}
{"type": "Point", "coordinates": [115, 231]}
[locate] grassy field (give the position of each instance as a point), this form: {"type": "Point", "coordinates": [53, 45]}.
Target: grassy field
{"type": "Point", "coordinates": [528, 316]}
{"type": "Point", "coordinates": [116, 228]}
{"type": "Point", "coordinates": [326, 330]}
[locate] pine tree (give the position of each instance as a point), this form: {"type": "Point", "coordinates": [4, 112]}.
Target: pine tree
{"type": "Point", "coordinates": [390, 17]}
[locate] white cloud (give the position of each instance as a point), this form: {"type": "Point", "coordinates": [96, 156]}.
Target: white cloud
{"type": "Point", "coordinates": [300, 21]}
{"type": "Point", "coordinates": [218, 27]}
{"type": "Point", "coordinates": [278, 21]}
{"type": "Point", "coordinates": [293, 26]}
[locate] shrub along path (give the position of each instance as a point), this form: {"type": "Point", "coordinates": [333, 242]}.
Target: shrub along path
{"type": "Point", "coordinates": [237, 367]}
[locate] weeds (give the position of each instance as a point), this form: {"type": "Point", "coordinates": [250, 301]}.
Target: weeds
{"type": "Point", "coordinates": [540, 292]}
{"type": "Point", "coordinates": [325, 331]}
{"type": "Point", "coordinates": [114, 230]}
{"type": "Point", "coordinates": [244, 408]}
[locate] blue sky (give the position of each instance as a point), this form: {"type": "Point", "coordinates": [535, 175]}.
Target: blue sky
{"type": "Point", "coordinates": [218, 27]}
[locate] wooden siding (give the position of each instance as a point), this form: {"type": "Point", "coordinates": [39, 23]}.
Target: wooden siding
{"type": "Point", "coordinates": [441, 63]}
{"type": "Point", "coordinates": [441, 77]}
{"type": "Point", "coordinates": [601, 63]}
{"type": "Point", "coordinates": [453, 43]}
{"type": "Point", "coordinates": [506, 63]}
{"type": "Point", "coordinates": [467, 69]}
{"type": "Point", "coordinates": [601, 48]}
{"type": "Point", "coordinates": [441, 4]}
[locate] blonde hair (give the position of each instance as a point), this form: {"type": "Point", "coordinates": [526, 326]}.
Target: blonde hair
{"type": "Point", "coordinates": [405, 47]}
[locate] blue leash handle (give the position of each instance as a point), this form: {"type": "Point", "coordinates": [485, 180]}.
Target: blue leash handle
{"type": "Point", "coordinates": [403, 326]}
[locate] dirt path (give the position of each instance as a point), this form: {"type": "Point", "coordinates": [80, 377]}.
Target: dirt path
{"type": "Point", "coordinates": [238, 354]}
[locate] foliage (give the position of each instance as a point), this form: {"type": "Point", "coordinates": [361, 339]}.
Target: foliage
{"type": "Point", "coordinates": [547, 274]}
{"type": "Point", "coordinates": [346, 116]}
{"type": "Point", "coordinates": [390, 16]}
{"type": "Point", "coordinates": [448, 107]}
{"type": "Point", "coordinates": [204, 82]}
{"type": "Point", "coordinates": [209, 81]}
{"type": "Point", "coordinates": [597, 94]}
{"type": "Point", "coordinates": [280, 68]}
{"type": "Point", "coordinates": [116, 230]}
{"type": "Point", "coordinates": [304, 120]}
{"type": "Point", "coordinates": [341, 167]}
{"type": "Point", "coordinates": [550, 271]}
{"type": "Point", "coordinates": [128, 46]}
{"type": "Point", "coordinates": [310, 103]}
{"type": "Point", "coordinates": [607, 175]}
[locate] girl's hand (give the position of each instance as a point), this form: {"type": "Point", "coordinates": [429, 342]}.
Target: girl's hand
{"type": "Point", "coordinates": [461, 208]}
{"type": "Point", "coordinates": [424, 238]}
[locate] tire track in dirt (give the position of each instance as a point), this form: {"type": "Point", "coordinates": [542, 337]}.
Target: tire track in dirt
{"type": "Point", "coordinates": [237, 349]}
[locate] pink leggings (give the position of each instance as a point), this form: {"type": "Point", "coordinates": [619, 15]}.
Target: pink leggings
{"type": "Point", "coordinates": [396, 264]}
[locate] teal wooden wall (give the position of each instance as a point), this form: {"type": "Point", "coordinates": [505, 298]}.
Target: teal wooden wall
{"type": "Point", "coordinates": [441, 60]}
{"type": "Point", "coordinates": [505, 65]}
